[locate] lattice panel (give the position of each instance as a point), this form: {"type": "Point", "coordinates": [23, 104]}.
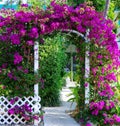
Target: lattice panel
{"type": "Point", "coordinates": [5, 105]}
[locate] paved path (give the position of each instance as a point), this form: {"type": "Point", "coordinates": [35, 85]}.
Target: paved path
{"type": "Point", "coordinates": [57, 116]}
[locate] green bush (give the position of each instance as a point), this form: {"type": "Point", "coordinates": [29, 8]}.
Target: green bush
{"type": "Point", "coordinates": [52, 62]}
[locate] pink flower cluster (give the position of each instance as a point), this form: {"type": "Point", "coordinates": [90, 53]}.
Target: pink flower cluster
{"type": "Point", "coordinates": [95, 107]}
{"type": "Point", "coordinates": [107, 91]}
{"type": "Point", "coordinates": [20, 68]}
{"type": "Point", "coordinates": [115, 119]}
{"type": "Point", "coordinates": [11, 76]}
{"type": "Point", "coordinates": [15, 39]}
{"type": "Point", "coordinates": [88, 124]}
{"type": "Point", "coordinates": [25, 111]}
{"type": "Point", "coordinates": [17, 58]}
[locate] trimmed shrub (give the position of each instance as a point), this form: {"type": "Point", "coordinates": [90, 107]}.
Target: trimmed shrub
{"type": "Point", "coordinates": [52, 62]}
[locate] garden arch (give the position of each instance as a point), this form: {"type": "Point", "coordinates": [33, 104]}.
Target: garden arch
{"type": "Point", "coordinates": [20, 30]}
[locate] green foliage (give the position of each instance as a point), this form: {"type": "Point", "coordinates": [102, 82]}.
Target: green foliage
{"type": "Point", "coordinates": [13, 88]}
{"type": "Point", "coordinates": [117, 94]}
{"type": "Point", "coordinates": [117, 3]}
{"type": "Point", "coordinates": [22, 81]}
{"type": "Point", "coordinates": [111, 13]}
{"type": "Point", "coordinates": [98, 4]}
{"type": "Point", "coordinates": [74, 2]}
{"type": "Point", "coordinates": [52, 62]}
{"type": "Point", "coordinates": [41, 4]}
{"type": "Point", "coordinates": [75, 94]}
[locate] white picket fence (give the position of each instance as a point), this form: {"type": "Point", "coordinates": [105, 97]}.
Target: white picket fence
{"type": "Point", "coordinates": [5, 105]}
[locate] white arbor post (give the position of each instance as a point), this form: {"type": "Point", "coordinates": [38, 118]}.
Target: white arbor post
{"type": "Point", "coordinates": [36, 87]}
{"type": "Point", "coordinates": [71, 67]}
{"type": "Point", "coordinates": [87, 70]}
{"type": "Point", "coordinates": [87, 61]}
{"type": "Point", "coordinates": [71, 49]}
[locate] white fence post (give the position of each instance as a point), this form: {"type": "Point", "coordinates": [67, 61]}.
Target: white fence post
{"type": "Point", "coordinates": [36, 88]}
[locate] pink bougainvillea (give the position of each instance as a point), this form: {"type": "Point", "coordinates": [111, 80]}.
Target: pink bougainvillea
{"type": "Point", "coordinates": [24, 110]}
{"type": "Point", "coordinates": [20, 29]}
{"type": "Point", "coordinates": [17, 58]}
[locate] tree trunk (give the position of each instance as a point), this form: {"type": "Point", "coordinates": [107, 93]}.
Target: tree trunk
{"type": "Point", "coordinates": [106, 9]}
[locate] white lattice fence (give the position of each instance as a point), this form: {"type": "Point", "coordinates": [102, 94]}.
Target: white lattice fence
{"type": "Point", "coordinates": [5, 105]}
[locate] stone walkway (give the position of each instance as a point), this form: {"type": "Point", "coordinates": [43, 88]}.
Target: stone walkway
{"type": "Point", "coordinates": [57, 116]}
